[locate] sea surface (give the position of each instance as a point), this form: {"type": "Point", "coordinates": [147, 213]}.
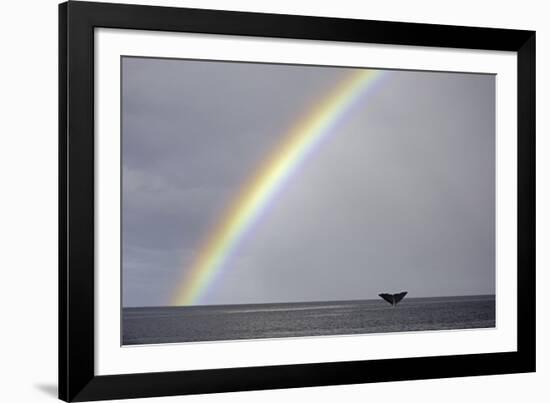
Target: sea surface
{"type": "Point", "coordinates": [154, 325]}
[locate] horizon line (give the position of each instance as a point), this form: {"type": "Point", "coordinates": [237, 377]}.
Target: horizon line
{"type": "Point", "coordinates": [303, 302]}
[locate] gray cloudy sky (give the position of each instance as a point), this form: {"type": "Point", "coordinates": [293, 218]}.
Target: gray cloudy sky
{"type": "Point", "coordinates": [400, 197]}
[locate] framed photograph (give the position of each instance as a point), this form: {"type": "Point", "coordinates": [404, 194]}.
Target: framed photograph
{"type": "Point", "coordinates": [254, 201]}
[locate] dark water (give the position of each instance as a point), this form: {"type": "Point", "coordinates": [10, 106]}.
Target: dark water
{"type": "Point", "coordinates": [232, 322]}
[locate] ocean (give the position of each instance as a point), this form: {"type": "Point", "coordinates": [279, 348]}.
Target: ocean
{"type": "Point", "coordinates": [154, 325]}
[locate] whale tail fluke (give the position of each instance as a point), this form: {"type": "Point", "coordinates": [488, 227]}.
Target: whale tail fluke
{"type": "Point", "coordinates": [393, 299]}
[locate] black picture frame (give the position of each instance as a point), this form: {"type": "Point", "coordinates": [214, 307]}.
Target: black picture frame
{"type": "Point", "coordinates": [77, 378]}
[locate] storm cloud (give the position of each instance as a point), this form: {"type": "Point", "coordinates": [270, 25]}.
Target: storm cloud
{"type": "Point", "coordinates": [400, 196]}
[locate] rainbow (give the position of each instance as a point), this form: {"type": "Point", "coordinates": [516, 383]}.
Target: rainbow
{"type": "Point", "coordinates": [258, 191]}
